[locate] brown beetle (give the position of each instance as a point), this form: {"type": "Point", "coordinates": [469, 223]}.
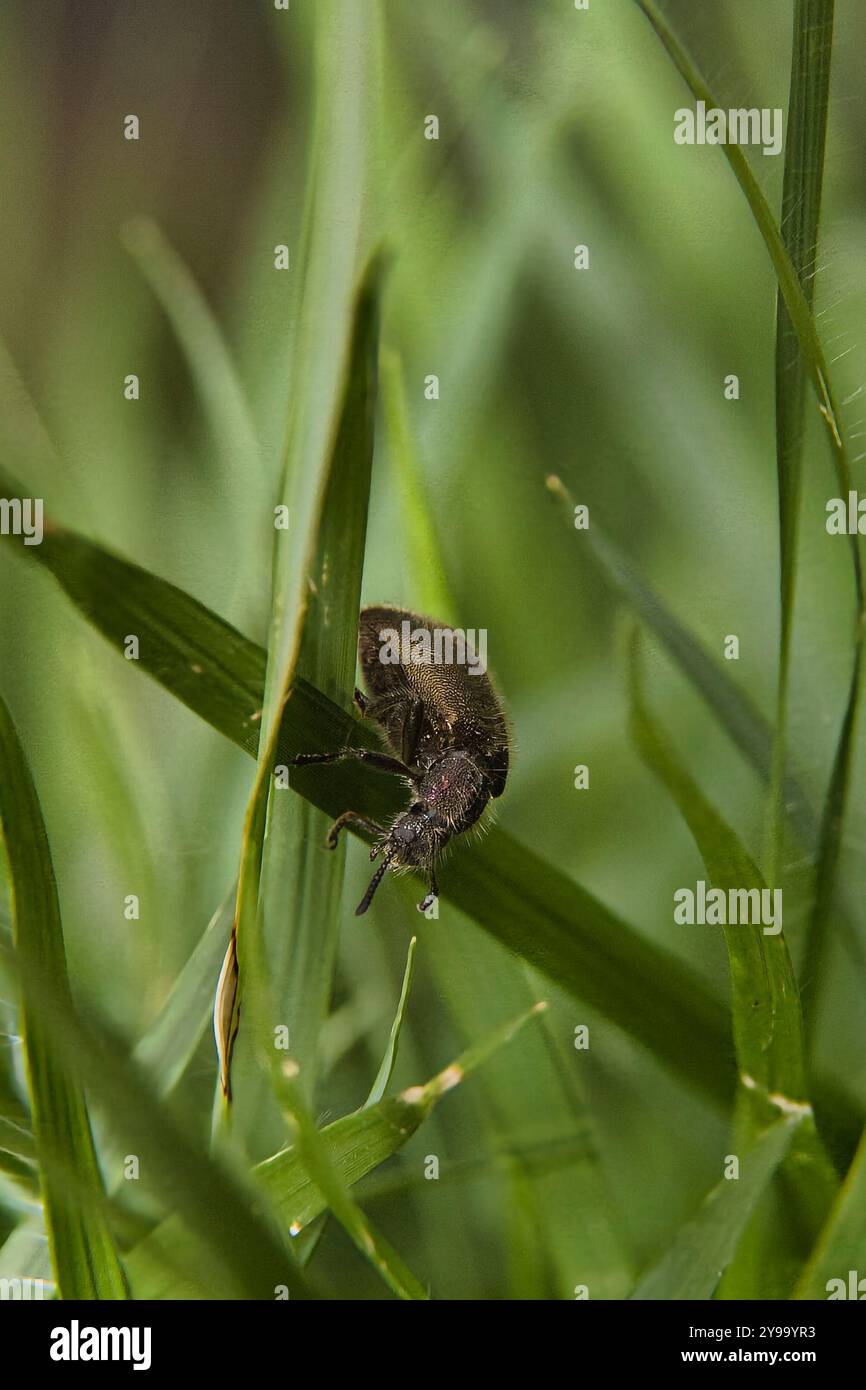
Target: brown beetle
{"type": "Point", "coordinates": [445, 728]}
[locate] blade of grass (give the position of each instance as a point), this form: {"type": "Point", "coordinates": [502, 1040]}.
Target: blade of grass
{"type": "Point", "coordinates": [523, 901]}
{"type": "Point", "coordinates": [358, 1144]}
{"type": "Point", "coordinates": [802, 319]}
{"type": "Point", "coordinates": [315, 1154]}
{"type": "Point", "coordinates": [300, 962]}
{"type": "Point", "coordinates": [801, 210]}
{"type": "Point", "coordinates": [316, 581]}
{"type": "Point", "coordinates": [363, 1140]}
{"type": "Point", "coordinates": [706, 1245]}
{"type": "Point", "coordinates": [245, 1256]}
{"type": "Point", "coordinates": [201, 340]}
{"type": "Point", "coordinates": [810, 86]}
{"type": "Point", "coordinates": [736, 713]}
{"type": "Point", "coordinates": [751, 733]}
{"type": "Point", "coordinates": [386, 1070]}
{"type": "Point", "coordinates": [767, 1023]}
{"type": "Point", "coordinates": [766, 1012]}
{"type": "Point", "coordinates": [829, 849]}
{"type": "Point", "coordinates": [84, 1258]}
{"type": "Point", "coordinates": [166, 1049]}
{"type": "Point", "coordinates": [839, 1248]}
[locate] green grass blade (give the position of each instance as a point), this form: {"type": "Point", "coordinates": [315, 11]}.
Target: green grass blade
{"type": "Point", "coordinates": [706, 1245]}
{"type": "Point", "coordinates": [84, 1258]}
{"type": "Point", "coordinates": [242, 1253]}
{"type": "Point", "coordinates": [166, 1049]}
{"type": "Point", "coordinates": [358, 1144]}
{"type": "Point", "coordinates": [766, 1009]}
{"type": "Point", "coordinates": [830, 846]}
{"type": "Point", "coordinates": [736, 713]}
{"type": "Point", "coordinates": [201, 340]}
{"type": "Point", "coordinates": [203, 661]}
{"type": "Point", "coordinates": [364, 1139]}
{"type": "Point", "coordinates": [767, 1022]}
{"type": "Point", "coordinates": [389, 1061]}
{"type": "Point", "coordinates": [315, 1154]}
{"type": "Point", "coordinates": [840, 1247]}
{"type": "Point", "coordinates": [422, 542]}
{"type": "Point", "coordinates": [801, 211]}
{"type": "Point", "coordinates": [302, 895]}
{"type": "Point", "coordinates": [318, 562]}
{"type": "Point", "coordinates": [802, 320]}
{"type": "Point", "coordinates": [300, 960]}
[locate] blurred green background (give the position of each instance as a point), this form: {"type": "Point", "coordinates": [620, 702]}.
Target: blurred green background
{"type": "Point", "coordinates": [555, 129]}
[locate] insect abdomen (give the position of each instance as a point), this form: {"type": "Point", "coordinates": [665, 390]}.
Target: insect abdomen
{"type": "Point", "coordinates": [460, 709]}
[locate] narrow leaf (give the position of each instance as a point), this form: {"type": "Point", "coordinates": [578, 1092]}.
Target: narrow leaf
{"type": "Point", "coordinates": [706, 1245]}
{"type": "Point", "coordinates": [386, 1070]}
{"type": "Point", "coordinates": [85, 1262]}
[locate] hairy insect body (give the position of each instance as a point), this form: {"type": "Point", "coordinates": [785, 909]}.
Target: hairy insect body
{"type": "Point", "coordinates": [448, 739]}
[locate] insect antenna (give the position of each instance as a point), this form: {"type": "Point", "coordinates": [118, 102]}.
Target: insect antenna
{"type": "Point", "coordinates": [374, 883]}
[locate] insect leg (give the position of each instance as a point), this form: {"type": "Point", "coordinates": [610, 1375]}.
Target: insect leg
{"type": "Point", "coordinates": [411, 730]}
{"type": "Point", "coordinates": [382, 762]}
{"type": "Point", "coordinates": [429, 898]}
{"type": "Point", "coordinates": [352, 818]}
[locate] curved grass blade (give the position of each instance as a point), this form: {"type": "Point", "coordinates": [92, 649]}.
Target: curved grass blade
{"type": "Point", "coordinates": [386, 1070]}
{"type": "Point", "coordinates": [364, 1139]}
{"type": "Point", "coordinates": [802, 320]}
{"type": "Point", "coordinates": [766, 1009]}
{"type": "Point", "coordinates": [289, 900]}
{"type": "Point", "coordinates": [813, 39]}
{"type": "Point", "coordinates": [84, 1258]}
{"type": "Point", "coordinates": [830, 846]}
{"type": "Point", "coordinates": [315, 1154]}
{"type": "Point", "coordinates": [358, 1144]}
{"type": "Point", "coordinates": [167, 1048]}
{"type": "Point", "coordinates": [706, 1245]}
{"type": "Point", "coordinates": [234, 1234]}
{"type": "Point", "coordinates": [422, 543]}
{"type": "Point", "coordinates": [767, 1023]}
{"type": "Point", "coordinates": [325, 648]}
{"type": "Point", "coordinates": [736, 713]}
{"type": "Point", "coordinates": [839, 1248]}
{"type": "Point", "coordinates": [751, 733]}
{"type": "Point", "coordinates": [199, 335]}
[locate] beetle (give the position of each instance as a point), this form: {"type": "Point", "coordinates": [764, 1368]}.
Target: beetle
{"type": "Point", "coordinates": [446, 735]}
